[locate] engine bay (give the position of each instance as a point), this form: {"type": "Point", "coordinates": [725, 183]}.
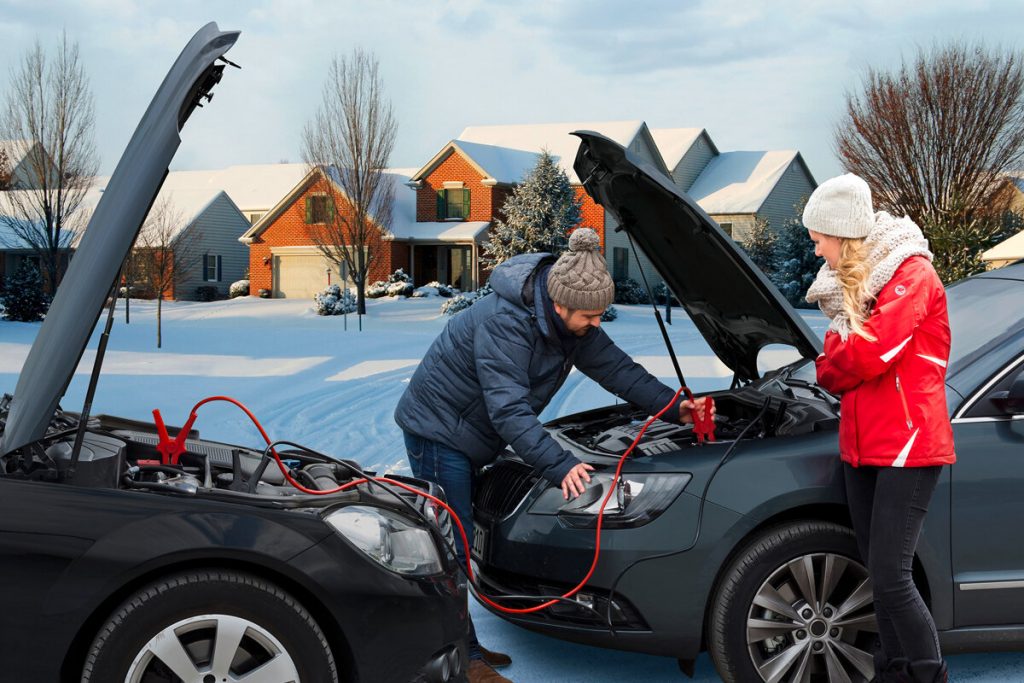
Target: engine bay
{"type": "Point", "coordinates": [787, 410]}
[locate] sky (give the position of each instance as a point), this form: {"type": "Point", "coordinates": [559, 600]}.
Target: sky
{"type": "Point", "coordinates": [756, 75]}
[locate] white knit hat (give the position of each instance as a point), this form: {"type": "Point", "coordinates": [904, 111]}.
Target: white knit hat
{"type": "Point", "coordinates": [841, 206]}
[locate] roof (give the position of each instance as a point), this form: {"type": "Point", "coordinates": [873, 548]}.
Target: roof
{"type": "Point", "coordinates": [1008, 250]}
{"type": "Point", "coordinates": [674, 143]}
{"type": "Point", "coordinates": [76, 225]}
{"type": "Point", "coordinates": [740, 182]}
{"type": "Point", "coordinates": [403, 214]}
{"type": "Point", "coordinates": [252, 187]}
{"type": "Point", "coordinates": [505, 141]}
{"type": "Point", "coordinates": [16, 150]}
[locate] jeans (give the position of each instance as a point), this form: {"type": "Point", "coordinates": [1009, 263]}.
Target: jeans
{"type": "Point", "coordinates": [888, 506]}
{"type": "Point", "coordinates": [453, 471]}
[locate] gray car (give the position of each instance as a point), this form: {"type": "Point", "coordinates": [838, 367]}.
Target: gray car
{"type": "Point", "coordinates": [744, 546]}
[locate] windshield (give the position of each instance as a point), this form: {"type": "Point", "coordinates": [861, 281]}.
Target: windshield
{"type": "Point", "coordinates": [984, 314]}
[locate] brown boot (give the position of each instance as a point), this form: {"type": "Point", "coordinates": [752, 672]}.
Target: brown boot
{"type": "Point", "coordinates": [481, 672]}
{"type": "Point", "coordinates": [497, 660]}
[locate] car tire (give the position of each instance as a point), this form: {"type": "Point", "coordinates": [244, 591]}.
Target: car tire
{"type": "Point", "coordinates": [823, 617]}
{"type": "Point", "coordinates": [221, 623]}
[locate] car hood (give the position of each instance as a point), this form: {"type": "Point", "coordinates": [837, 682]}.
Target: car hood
{"type": "Point", "coordinates": [729, 299]}
{"type": "Point", "coordinates": [109, 236]}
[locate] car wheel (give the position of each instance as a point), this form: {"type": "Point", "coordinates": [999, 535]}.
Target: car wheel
{"type": "Point", "coordinates": [795, 606]}
{"type": "Point", "coordinates": [210, 626]}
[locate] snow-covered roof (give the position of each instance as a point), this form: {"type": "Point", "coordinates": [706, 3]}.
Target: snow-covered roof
{"type": "Point", "coordinates": [1008, 250]}
{"type": "Point", "coordinates": [555, 137]}
{"type": "Point", "coordinates": [75, 225]}
{"type": "Point", "coordinates": [501, 163]}
{"type": "Point", "coordinates": [16, 150]}
{"type": "Point", "coordinates": [740, 182]}
{"type": "Point", "coordinates": [252, 187]}
{"type": "Point", "coordinates": [674, 143]}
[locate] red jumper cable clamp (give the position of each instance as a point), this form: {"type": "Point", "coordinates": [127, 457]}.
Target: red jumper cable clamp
{"type": "Point", "coordinates": [170, 450]}
{"type": "Point", "coordinates": [703, 427]}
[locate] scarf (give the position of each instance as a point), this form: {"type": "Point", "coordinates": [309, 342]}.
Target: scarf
{"type": "Point", "coordinates": [890, 242]}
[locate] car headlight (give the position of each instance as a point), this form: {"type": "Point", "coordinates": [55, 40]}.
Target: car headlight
{"type": "Point", "coordinates": [388, 538]}
{"type": "Point", "coordinates": [638, 499]}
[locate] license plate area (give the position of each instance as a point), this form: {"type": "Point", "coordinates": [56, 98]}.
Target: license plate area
{"type": "Point", "coordinates": [479, 548]}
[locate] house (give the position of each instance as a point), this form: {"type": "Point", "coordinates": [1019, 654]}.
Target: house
{"type": "Point", "coordinates": [254, 188]}
{"type": "Point", "coordinates": [283, 257]}
{"type": "Point", "coordinates": [738, 188]}
{"type": "Point", "coordinates": [203, 229]}
{"type": "Point", "coordinates": [24, 157]}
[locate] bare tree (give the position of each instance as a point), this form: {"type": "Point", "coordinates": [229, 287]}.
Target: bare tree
{"type": "Point", "coordinates": [934, 138]}
{"type": "Point", "coordinates": [350, 142]}
{"type": "Point", "coordinates": [49, 108]}
{"type": "Point", "coordinates": [165, 254]}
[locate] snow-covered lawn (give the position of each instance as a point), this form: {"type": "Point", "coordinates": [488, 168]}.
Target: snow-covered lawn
{"type": "Point", "coordinates": [311, 381]}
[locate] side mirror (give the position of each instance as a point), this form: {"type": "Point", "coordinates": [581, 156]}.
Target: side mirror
{"type": "Point", "coordinates": [1011, 402]}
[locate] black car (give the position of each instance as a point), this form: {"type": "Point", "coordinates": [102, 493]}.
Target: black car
{"type": "Point", "coordinates": [744, 546]}
{"type": "Point", "coordinates": [124, 559]}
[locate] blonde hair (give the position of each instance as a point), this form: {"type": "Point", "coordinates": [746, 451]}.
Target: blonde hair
{"type": "Point", "coordinates": [852, 272]}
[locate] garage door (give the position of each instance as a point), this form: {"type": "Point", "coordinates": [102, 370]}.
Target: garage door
{"type": "Point", "coordinates": [300, 276]}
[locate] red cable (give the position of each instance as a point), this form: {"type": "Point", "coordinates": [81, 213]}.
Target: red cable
{"type": "Point", "coordinates": [462, 532]}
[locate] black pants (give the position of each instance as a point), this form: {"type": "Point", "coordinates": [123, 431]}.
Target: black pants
{"type": "Point", "coordinates": [888, 505]}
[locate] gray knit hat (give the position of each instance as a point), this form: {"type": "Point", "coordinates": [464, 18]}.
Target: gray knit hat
{"type": "Point", "coordinates": [579, 279]}
{"type": "Point", "coordinates": [841, 206]}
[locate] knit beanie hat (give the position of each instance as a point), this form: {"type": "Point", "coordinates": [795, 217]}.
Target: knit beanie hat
{"type": "Point", "coordinates": [579, 279]}
{"type": "Point", "coordinates": [841, 207]}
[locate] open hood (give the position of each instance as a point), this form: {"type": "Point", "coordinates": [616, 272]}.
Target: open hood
{"type": "Point", "coordinates": [109, 236]}
{"type": "Point", "coordinates": [732, 303]}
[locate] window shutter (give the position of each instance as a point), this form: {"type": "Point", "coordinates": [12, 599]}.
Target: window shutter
{"type": "Point", "coordinates": [465, 205]}
{"type": "Point", "coordinates": [218, 267]}
{"type": "Point", "coordinates": [330, 209]}
{"type": "Point", "coordinates": [206, 270]}
{"type": "Point", "coordinates": [309, 210]}
{"type": "Point", "coordinates": [442, 205]}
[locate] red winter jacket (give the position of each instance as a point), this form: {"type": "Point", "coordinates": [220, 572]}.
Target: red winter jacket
{"type": "Point", "coordinates": [893, 410]}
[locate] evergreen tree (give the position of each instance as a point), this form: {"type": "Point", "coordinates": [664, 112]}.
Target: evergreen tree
{"type": "Point", "coordinates": [538, 215]}
{"type": "Point", "coordinates": [760, 246]}
{"type": "Point", "coordinates": [23, 297]}
{"type": "Point", "coordinates": [797, 265]}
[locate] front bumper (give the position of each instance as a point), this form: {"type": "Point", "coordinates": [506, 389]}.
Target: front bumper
{"type": "Point", "coordinates": [388, 627]}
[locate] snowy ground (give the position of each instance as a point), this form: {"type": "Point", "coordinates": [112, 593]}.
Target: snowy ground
{"type": "Point", "coordinates": [311, 381]}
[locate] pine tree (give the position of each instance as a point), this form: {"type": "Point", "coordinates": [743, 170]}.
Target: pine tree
{"type": "Point", "coordinates": [23, 297]}
{"type": "Point", "coordinates": [797, 266]}
{"type": "Point", "coordinates": [761, 246]}
{"type": "Point", "coordinates": [538, 215]}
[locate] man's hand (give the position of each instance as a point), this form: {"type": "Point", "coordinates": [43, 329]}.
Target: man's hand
{"type": "Point", "coordinates": [573, 481]}
{"type": "Point", "coordinates": [687, 408]}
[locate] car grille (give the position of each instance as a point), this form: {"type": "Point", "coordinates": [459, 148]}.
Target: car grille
{"type": "Point", "coordinates": [502, 487]}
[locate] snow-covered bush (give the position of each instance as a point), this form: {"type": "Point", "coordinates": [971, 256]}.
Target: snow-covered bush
{"type": "Point", "coordinates": [397, 284]}
{"type": "Point", "coordinates": [264, 293]}
{"type": "Point", "coordinates": [434, 288]}
{"type": "Point", "coordinates": [239, 288]}
{"type": "Point", "coordinates": [660, 292]}
{"type": "Point", "coordinates": [23, 298]}
{"type": "Point", "coordinates": [610, 314]}
{"type": "Point", "coordinates": [464, 301]}
{"type": "Point", "coordinates": [629, 291]}
{"type": "Point", "coordinates": [334, 301]}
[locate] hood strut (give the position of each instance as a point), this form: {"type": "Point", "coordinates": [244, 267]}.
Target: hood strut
{"type": "Point", "coordinates": [657, 313]}
{"type": "Point", "coordinates": [93, 380]}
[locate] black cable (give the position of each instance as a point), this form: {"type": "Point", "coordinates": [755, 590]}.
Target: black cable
{"type": "Point", "coordinates": [700, 514]}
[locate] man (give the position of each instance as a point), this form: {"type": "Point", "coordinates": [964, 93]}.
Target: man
{"type": "Point", "coordinates": [495, 366]}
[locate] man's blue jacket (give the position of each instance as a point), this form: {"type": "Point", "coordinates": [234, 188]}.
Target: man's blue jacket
{"type": "Point", "coordinates": [496, 364]}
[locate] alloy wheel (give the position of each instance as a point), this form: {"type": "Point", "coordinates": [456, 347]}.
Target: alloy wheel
{"type": "Point", "coordinates": [213, 648]}
{"type": "Point", "coordinates": [813, 621]}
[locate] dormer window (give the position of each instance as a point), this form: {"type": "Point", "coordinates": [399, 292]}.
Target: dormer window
{"type": "Point", "coordinates": [453, 204]}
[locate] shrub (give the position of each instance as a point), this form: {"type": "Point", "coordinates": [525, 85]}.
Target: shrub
{"type": "Point", "coordinates": [206, 293]}
{"type": "Point", "coordinates": [240, 288]}
{"type": "Point", "coordinates": [661, 292]}
{"type": "Point", "coordinates": [264, 293]}
{"type": "Point", "coordinates": [610, 314]}
{"type": "Point", "coordinates": [629, 291]}
{"type": "Point", "coordinates": [464, 301]}
{"type": "Point", "coordinates": [334, 301]}
{"type": "Point", "coordinates": [397, 284]}
{"type": "Point", "coordinates": [23, 297]}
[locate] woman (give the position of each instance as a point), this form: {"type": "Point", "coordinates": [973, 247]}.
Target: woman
{"type": "Point", "coordinates": [885, 352]}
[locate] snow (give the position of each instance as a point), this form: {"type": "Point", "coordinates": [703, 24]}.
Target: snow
{"type": "Point", "coordinates": [555, 137]}
{"type": "Point", "coordinates": [310, 381]}
{"type": "Point", "coordinates": [674, 143]}
{"type": "Point", "coordinates": [740, 182]}
{"type": "Point", "coordinates": [503, 164]}
{"type": "Point", "coordinates": [253, 187]}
